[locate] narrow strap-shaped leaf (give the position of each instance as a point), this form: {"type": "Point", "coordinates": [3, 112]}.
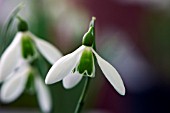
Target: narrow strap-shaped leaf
{"type": "Point", "coordinates": [7, 25]}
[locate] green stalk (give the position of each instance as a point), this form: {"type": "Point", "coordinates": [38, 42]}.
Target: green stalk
{"type": "Point", "coordinates": [81, 100]}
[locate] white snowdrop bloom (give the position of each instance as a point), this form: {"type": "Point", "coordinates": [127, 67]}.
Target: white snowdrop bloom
{"type": "Point", "coordinates": [72, 67]}
{"type": "Point", "coordinates": [17, 69]}
{"type": "Point", "coordinates": [25, 45]}
{"type": "Point", "coordinates": [14, 86]}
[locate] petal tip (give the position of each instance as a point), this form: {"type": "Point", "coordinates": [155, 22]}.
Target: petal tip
{"type": "Point", "coordinates": [71, 80]}
{"type": "Point", "coordinates": [66, 87]}
{"type": "Point", "coordinates": [47, 81]}
{"type": "Point", "coordinates": [123, 92]}
{"type": "Point", "coordinates": [5, 99]}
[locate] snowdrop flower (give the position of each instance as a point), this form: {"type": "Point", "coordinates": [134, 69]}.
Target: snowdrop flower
{"type": "Point", "coordinates": [72, 67]}
{"type": "Point", "coordinates": [13, 87]}
{"type": "Point", "coordinates": [25, 46]}
{"type": "Point", "coordinates": [18, 71]}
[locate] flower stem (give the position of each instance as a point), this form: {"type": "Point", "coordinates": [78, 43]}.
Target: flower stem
{"type": "Point", "coordinates": [82, 96]}
{"type": "Point", "coordinates": [81, 100]}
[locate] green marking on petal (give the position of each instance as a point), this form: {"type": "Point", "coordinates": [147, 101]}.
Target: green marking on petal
{"type": "Point", "coordinates": [86, 63]}
{"type": "Point", "coordinates": [74, 70]}
{"type": "Point", "coordinates": [27, 46]}
{"type": "Point", "coordinates": [30, 83]}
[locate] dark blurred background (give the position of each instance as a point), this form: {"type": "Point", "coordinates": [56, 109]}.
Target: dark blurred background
{"type": "Point", "coordinates": [133, 35]}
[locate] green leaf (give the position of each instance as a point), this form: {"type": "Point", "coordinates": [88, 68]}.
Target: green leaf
{"type": "Point", "coordinates": [6, 27]}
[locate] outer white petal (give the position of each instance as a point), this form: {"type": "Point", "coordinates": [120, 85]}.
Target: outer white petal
{"type": "Point", "coordinates": [63, 66]}
{"type": "Point", "coordinates": [111, 74]}
{"type": "Point", "coordinates": [9, 57]}
{"type": "Point", "coordinates": [51, 53]}
{"type": "Point", "coordinates": [14, 86]}
{"type": "Point", "coordinates": [43, 95]}
{"type": "Point", "coordinates": [72, 80]}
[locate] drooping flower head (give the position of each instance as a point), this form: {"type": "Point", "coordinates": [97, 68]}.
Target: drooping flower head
{"type": "Point", "coordinates": [25, 46]}
{"type": "Point", "coordinates": [26, 78]}
{"type": "Point", "coordinates": [72, 67]}
{"type": "Point", "coordinates": [18, 70]}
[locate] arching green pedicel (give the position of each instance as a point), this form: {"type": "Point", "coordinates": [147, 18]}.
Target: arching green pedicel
{"type": "Point", "coordinates": [27, 47]}
{"type": "Point", "coordinates": [86, 64]}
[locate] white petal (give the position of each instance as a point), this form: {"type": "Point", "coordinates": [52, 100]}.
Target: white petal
{"type": "Point", "coordinates": [111, 74]}
{"type": "Point", "coordinates": [51, 53]}
{"type": "Point", "coordinates": [15, 85]}
{"type": "Point", "coordinates": [9, 57]}
{"type": "Point", "coordinates": [93, 73]}
{"type": "Point", "coordinates": [72, 80]}
{"type": "Point", "coordinates": [63, 66]}
{"type": "Point", "coordinates": [43, 95]}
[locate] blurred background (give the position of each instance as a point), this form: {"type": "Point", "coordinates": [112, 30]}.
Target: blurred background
{"type": "Point", "coordinates": [133, 35]}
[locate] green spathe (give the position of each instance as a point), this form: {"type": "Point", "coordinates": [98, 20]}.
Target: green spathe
{"type": "Point", "coordinates": [27, 47]}
{"type": "Point", "coordinates": [86, 64]}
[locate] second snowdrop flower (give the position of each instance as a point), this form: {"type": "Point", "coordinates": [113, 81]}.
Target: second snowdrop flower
{"type": "Point", "coordinates": [26, 77]}
{"type": "Point", "coordinates": [25, 46]}
{"type": "Point", "coordinates": [72, 67]}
